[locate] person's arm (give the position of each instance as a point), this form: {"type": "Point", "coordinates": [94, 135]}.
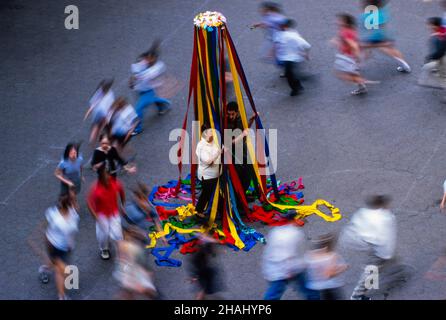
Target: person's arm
{"type": "Point", "coordinates": [91, 204]}
{"type": "Point", "coordinates": [59, 175]}
{"type": "Point", "coordinates": [36, 236]}
{"type": "Point", "coordinates": [443, 201]}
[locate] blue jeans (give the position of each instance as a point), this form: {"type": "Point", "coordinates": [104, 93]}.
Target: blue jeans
{"type": "Point", "coordinates": [146, 99]}
{"type": "Point", "coordinates": [278, 287]}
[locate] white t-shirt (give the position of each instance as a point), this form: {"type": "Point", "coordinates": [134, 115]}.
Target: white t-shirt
{"type": "Point", "coordinates": [372, 228]}
{"type": "Point", "coordinates": [148, 78]}
{"type": "Point", "coordinates": [61, 230]}
{"type": "Point", "coordinates": [205, 152]}
{"type": "Point", "coordinates": [124, 120]}
{"type": "Point", "coordinates": [284, 253]}
{"type": "Point", "coordinates": [290, 46]}
{"type": "Point", "coordinates": [317, 267]}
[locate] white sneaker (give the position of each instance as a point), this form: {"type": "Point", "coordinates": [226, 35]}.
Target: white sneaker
{"type": "Point", "coordinates": [105, 254]}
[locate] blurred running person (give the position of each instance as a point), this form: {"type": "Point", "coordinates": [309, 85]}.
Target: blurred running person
{"type": "Point", "coordinates": [283, 261]}
{"type": "Point", "coordinates": [107, 155]}
{"type": "Point", "coordinates": [146, 77]}
{"type": "Point", "coordinates": [325, 268]}
{"type": "Point", "coordinates": [105, 202]}
{"type": "Point", "coordinates": [372, 229]}
{"type": "Point", "coordinates": [291, 51]}
{"type": "Point", "coordinates": [346, 63]}
{"type": "Point", "coordinates": [133, 272]}
{"type": "Point", "coordinates": [100, 105]}
{"type": "Point", "coordinates": [123, 122]}
{"type": "Point", "coordinates": [377, 36]}
{"type": "Point", "coordinates": [62, 225]}
{"type": "Point", "coordinates": [69, 170]}
{"type": "Point", "coordinates": [272, 19]}
{"type": "Point", "coordinates": [433, 73]}
{"type": "Point", "coordinates": [204, 271]}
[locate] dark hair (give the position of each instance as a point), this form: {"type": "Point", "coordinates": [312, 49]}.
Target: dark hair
{"type": "Point", "coordinates": [154, 50]}
{"type": "Point", "coordinates": [104, 135]}
{"type": "Point", "coordinates": [288, 23]}
{"type": "Point", "coordinates": [378, 201]}
{"type": "Point", "coordinates": [69, 147]}
{"type": "Point", "coordinates": [204, 127]}
{"type": "Point", "coordinates": [105, 85]}
{"type": "Point", "coordinates": [348, 19]}
{"type": "Point", "coordinates": [103, 175]}
{"type": "Point", "coordinates": [377, 3]}
{"type": "Point", "coordinates": [65, 201]}
{"type": "Point", "coordinates": [435, 21]}
{"type": "Point", "coordinates": [271, 6]}
{"type": "Point", "coordinates": [325, 241]}
{"type": "Point", "coordinates": [119, 103]}
{"type": "Point", "coordinates": [232, 106]}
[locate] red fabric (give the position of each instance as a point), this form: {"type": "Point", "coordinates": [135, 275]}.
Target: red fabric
{"type": "Point", "coordinates": [271, 218]}
{"type": "Point", "coordinates": [189, 247]}
{"type": "Point", "coordinates": [104, 200]}
{"type": "Point", "coordinates": [347, 34]}
{"type": "Point", "coordinates": [164, 213]}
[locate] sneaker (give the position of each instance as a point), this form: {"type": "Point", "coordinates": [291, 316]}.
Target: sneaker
{"type": "Point", "coordinates": [295, 93]}
{"type": "Point", "coordinates": [64, 297]}
{"type": "Point", "coordinates": [359, 91]}
{"type": "Point", "coordinates": [43, 274]}
{"type": "Point", "coordinates": [105, 254]}
{"type": "Point", "coordinates": [283, 75]}
{"type": "Point", "coordinates": [135, 133]}
{"type": "Point", "coordinates": [361, 297]}
{"type": "Point", "coordinates": [403, 69]}
{"type": "Point", "coordinates": [162, 112]}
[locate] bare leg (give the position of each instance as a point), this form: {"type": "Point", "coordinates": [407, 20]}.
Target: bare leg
{"type": "Point", "coordinates": [59, 273]}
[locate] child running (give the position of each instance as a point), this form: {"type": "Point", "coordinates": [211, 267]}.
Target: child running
{"type": "Point", "coordinates": [346, 63]}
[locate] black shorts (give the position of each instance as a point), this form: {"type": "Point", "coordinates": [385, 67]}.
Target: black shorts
{"type": "Point", "coordinates": [57, 254]}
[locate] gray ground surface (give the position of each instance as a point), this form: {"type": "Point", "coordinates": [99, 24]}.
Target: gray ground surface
{"type": "Point", "coordinates": [391, 141]}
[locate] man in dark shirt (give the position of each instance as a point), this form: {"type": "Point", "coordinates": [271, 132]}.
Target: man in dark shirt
{"type": "Point", "coordinates": [243, 164]}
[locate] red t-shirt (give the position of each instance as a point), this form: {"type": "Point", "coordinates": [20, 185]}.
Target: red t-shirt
{"type": "Point", "coordinates": [104, 200]}
{"type": "Point", "coordinates": [347, 34]}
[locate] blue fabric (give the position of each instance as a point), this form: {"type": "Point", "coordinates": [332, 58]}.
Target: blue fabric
{"type": "Point", "coordinates": [164, 260]}
{"type": "Point", "coordinates": [146, 99]}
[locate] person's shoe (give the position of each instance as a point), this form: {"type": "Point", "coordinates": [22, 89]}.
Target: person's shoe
{"type": "Point", "coordinates": [162, 112]}
{"type": "Point", "coordinates": [43, 274]}
{"type": "Point", "coordinates": [359, 91]}
{"type": "Point", "coordinates": [105, 254]}
{"type": "Point", "coordinates": [282, 75]}
{"type": "Point", "coordinates": [361, 297]}
{"type": "Point", "coordinates": [295, 93]}
{"type": "Point", "coordinates": [404, 69]}
{"type": "Point", "coordinates": [64, 297]}
{"type": "Point", "coordinates": [135, 133]}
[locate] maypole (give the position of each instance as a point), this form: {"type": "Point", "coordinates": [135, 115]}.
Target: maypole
{"type": "Point", "coordinates": [213, 50]}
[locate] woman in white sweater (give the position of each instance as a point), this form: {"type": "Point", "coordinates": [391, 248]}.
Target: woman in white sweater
{"type": "Point", "coordinates": [209, 160]}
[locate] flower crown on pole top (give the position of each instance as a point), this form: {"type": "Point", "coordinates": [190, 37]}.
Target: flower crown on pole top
{"type": "Point", "coordinates": [209, 19]}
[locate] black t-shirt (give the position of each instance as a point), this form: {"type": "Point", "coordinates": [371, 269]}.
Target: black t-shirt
{"type": "Point", "coordinates": [110, 158]}
{"type": "Point", "coordinates": [237, 124]}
